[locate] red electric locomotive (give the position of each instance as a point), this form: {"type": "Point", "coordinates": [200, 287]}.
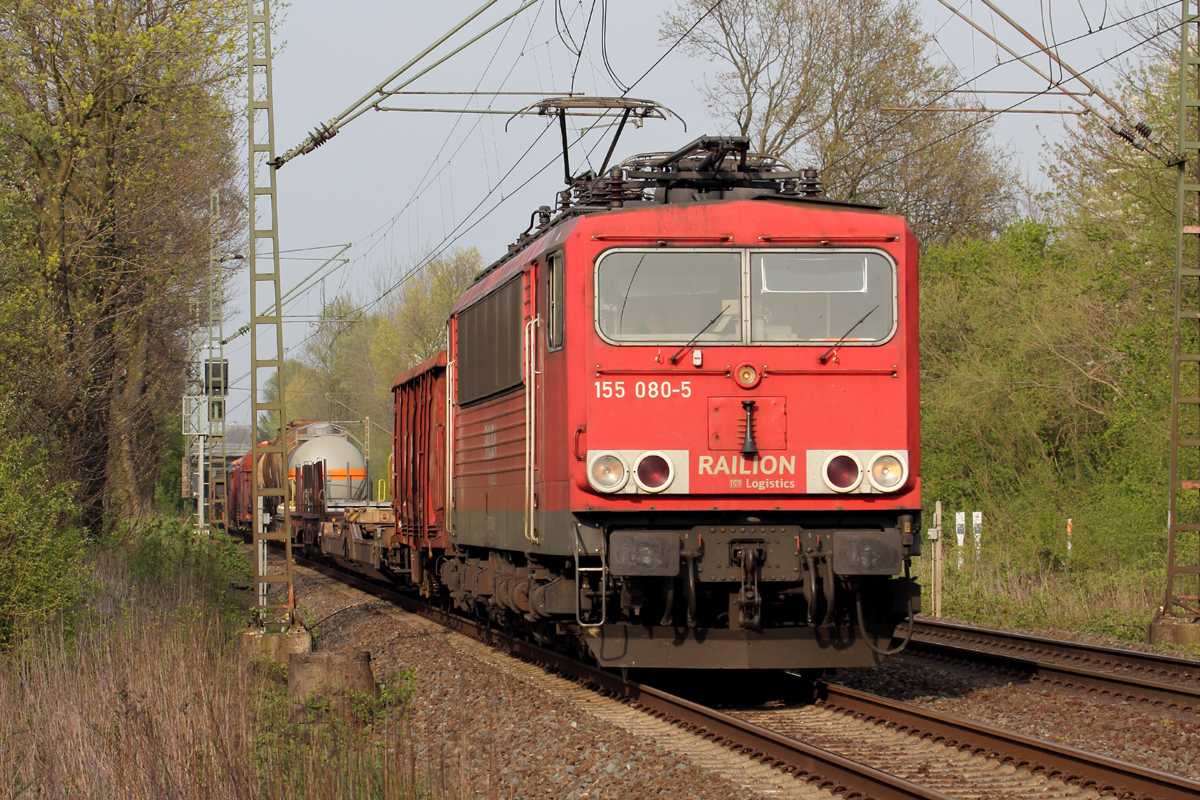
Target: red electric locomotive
{"type": "Point", "coordinates": [683, 420]}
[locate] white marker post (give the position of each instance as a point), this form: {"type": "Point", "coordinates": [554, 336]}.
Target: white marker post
{"type": "Point", "coordinates": [939, 559]}
{"type": "Point", "coordinates": [960, 533]}
{"type": "Point", "coordinates": [1070, 530]}
{"type": "Point", "coordinates": [977, 525]}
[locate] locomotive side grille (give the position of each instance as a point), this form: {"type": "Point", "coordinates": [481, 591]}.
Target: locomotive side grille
{"type": "Point", "coordinates": [489, 344]}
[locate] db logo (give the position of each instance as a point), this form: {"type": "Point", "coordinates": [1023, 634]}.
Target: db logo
{"type": "Point", "coordinates": [735, 483]}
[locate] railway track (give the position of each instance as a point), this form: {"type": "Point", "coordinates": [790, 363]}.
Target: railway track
{"type": "Point", "coordinates": [850, 743]}
{"type": "Point", "coordinates": [1165, 681]}
{"type": "Point", "coordinates": [1087, 770]}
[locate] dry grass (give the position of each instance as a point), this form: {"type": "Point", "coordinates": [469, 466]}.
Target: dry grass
{"type": "Point", "coordinates": [145, 698]}
{"type": "Point", "coordinates": [998, 591]}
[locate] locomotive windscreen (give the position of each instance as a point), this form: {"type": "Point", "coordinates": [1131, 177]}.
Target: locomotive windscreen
{"type": "Point", "coordinates": [795, 296]}
{"type": "Point", "coordinates": [670, 296]}
{"type": "Point", "coordinates": [820, 297]}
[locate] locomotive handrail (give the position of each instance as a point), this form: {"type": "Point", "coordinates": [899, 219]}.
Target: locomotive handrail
{"type": "Point", "coordinates": [582, 429]}
{"type": "Point", "coordinates": [578, 547]}
{"type": "Point", "coordinates": [530, 425]}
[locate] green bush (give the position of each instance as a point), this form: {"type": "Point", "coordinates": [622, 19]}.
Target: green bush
{"type": "Point", "coordinates": [166, 554]}
{"type": "Point", "coordinates": [42, 545]}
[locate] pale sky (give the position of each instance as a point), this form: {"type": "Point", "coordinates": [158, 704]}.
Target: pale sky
{"type": "Point", "coordinates": [400, 186]}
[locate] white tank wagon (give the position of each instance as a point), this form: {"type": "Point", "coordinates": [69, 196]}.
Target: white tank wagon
{"type": "Point", "coordinates": [345, 468]}
{"type": "Point", "coordinates": [326, 443]}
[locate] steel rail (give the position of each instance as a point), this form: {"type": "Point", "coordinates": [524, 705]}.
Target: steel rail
{"type": "Point", "coordinates": [805, 762]}
{"type": "Point", "coordinates": [1088, 770]}
{"type": "Point", "coordinates": [1020, 643]}
{"type": "Point", "coordinates": [936, 638]}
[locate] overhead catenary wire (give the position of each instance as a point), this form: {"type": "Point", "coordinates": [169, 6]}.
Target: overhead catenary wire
{"type": "Point", "coordinates": [426, 181]}
{"type": "Point", "coordinates": [1017, 104]}
{"type": "Point", "coordinates": [1138, 139]}
{"type": "Point", "coordinates": [422, 185]}
{"type": "Point", "coordinates": [449, 239]}
{"type": "Point", "coordinates": [1061, 64]}
{"type": "Point", "coordinates": [630, 88]}
{"type": "Point", "coordinates": [876, 137]}
{"type": "Point", "coordinates": [329, 129]}
{"type": "Point", "coordinates": [1023, 59]}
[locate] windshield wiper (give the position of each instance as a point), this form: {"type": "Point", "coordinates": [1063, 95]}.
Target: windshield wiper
{"type": "Point", "coordinates": [628, 289]}
{"type": "Point", "coordinates": [853, 327]}
{"type": "Point", "coordinates": [700, 333]}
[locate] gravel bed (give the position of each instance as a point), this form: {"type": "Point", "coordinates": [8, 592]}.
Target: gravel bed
{"type": "Point", "coordinates": [493, 726]}
{"type": "Point", "coordinates": [1129, 731]}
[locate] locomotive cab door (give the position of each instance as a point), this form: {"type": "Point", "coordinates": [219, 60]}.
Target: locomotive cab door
{"type": "Point", "coordinates": [553, 438]}
{"type": "Point", "coordinates": [531, 350]}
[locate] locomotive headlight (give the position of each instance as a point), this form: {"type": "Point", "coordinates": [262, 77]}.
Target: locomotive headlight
{"type": "Point", "coordinates": [607, 473]}
{"type": "Point", "coordinates": [843, 472]}
{"type": "Point", "coordinates": [887, 472]}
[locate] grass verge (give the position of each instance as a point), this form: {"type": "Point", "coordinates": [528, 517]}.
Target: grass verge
{"type": "Point", "coordinates": [144, 696]}
{"type": "Point", "coordinates": [998, 591]}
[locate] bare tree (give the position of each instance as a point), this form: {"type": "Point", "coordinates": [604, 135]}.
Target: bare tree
{"type": "Point", "coordinates": [810, 81]}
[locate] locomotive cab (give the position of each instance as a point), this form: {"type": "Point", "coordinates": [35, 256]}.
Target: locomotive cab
{"type": "Point", "coordinates": [684, 421]}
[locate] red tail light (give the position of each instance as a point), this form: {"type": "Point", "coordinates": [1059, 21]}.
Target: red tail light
{"type": "Point", "coordinates": [653, 472]}
{"type": "Point", "coordinates": [842, 472]}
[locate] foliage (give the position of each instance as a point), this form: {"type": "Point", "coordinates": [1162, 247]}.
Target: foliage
{"type": "Point", "coordinates": [168, 489]}
{"type": "Point", "coordinates": [812, 82]}
{"type": "Point", "coordinates": [1039, 399]}
{"type": "Point", "coordinates": [162, 552]}
{"type": "Point", "coordinates": [351, 359]}
{"type": "Point", "coordinates": [113, 126]}
{"type": "Point", "coordinates": [412, 327]}
{"type": "Point", "coordinates": [42, 571]}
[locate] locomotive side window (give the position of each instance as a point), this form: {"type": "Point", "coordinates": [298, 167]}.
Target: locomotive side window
{"type": "Point", "coordinates": [821, 297]}
{"type": "Point", "coordinates": [670, 296]}
{"type": "Point", "coordinates": [489, 344]}
{"type": "Point", "coordinates": [555, 298]}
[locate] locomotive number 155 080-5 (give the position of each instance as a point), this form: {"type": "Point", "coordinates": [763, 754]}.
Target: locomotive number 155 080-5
{"type": "Point", "coordinates": [653, 390]}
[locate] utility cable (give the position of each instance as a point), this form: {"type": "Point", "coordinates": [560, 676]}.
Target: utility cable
{"type": "Point", "coordinates": [327, 130]}
{"type": "Point", "coordinates": [1017, 104]}
{"type": "Point", "coordinates": [910, 115]}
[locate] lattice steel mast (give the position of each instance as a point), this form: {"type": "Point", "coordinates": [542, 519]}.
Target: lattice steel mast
{"type": "Point", "coordinates": [266, 320]}
{"type": "Point", "coordinates": [1183, 553]}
